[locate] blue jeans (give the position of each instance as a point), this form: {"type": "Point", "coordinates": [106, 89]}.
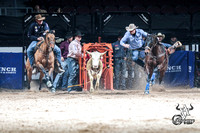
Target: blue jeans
{"type": "Point", "coordinates": [65, 75]}
{"type": "Point", "coordinates": [62, 76]}
{"type": "Point", "coordinates": [31, 48]}
{"type": "Point", "coordinates": [120, 67]}
{"type": "Point", "coordinates": [136, 54]}
{"type": "Point", "coordinates": [73, 71]}
{"type": "Point", "coordinates": [130, 69]}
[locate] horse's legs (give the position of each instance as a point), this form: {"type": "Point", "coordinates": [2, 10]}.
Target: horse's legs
{"type": "Point", "coordinates": [162, 74]}
{"type": "Point", "coordinates": [29, 75]}
{"type": "Point", "coordinates": [150, 70]}
{"type": "Point", "coordinates": [153, 76]}
{"type": "Point", "coordinates": [47, 77]}
{"type": "Point", "coordinates": [41, 76]}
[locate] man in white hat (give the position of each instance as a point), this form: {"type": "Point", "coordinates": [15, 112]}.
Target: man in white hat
{"type": "Point", "coordinates": [133, 39]}
{"type": "Point", "coordinates": [35, 33]}
{"type": "Point", "coordinates": [169, 47]}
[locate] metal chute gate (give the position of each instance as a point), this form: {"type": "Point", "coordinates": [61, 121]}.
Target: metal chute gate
{"type": "Point", "coordinates": [107, 74]}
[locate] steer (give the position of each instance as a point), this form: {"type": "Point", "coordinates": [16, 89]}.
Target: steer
{"type": "Point", "coordinates": [94, 67]}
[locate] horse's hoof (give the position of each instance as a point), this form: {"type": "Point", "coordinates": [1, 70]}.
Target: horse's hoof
{"type": "Point", "coordinates": [53, 90]}
{"type": "Point", "coordinates": [49, 84]}
{"type": "Point", "coordinates": [146, 92]}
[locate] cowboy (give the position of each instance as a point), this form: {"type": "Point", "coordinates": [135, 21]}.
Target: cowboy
{"type": "Point", "coordinates": [35, 33]}
{"type": "Point", "coordinates": [134, 38]}
{"type": "Point", "coordinates": [119, 63]}
{"type": "Point", "coordinates": [170, 50]}
{"type": "Point", "coordinates": [72, 61]}
{"type": "Point", "coordinates": [169, 47]}
{"type": "Point", "coordinates": [64, 47]}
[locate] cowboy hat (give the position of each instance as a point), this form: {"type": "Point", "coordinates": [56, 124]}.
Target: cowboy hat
{"type": "Point", "coordinates": [39, 17]}
{"type": "Point", "coordinates": [78, 33]}
{"type": "Point", "coordinates": [131, 27]}
{"type": "Point", "coordinates": [161, 35]}
{"type": "Point", "coordinates": [68, 35]}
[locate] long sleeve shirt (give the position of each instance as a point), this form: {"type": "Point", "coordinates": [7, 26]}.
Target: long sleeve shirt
{"type": "Point", "coordinates": [35, 30]}
{"type": "Point", "coordinates": [166, 45]}
{"type": "Point", "coordinates": [118, 50]}
{"type": "Point", "coordinates": [75, 49]}
{"type": "Point", "coordinates": [64, 47]}
{"type": "Point", "coordinates": [135, 41]}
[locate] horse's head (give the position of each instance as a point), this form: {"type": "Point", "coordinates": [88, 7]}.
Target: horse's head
{"type": "Point", "coordinates": [151, 42]}
{"type": "Point", "coordinates": [50, 39]}
{"type": "Point", "coordinates": [96, 57]}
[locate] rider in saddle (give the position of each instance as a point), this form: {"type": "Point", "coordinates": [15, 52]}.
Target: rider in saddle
{"type": "Point", "coordinates": [36, 32]}
{"type": "Point", "coordinates": [170, 50]}
{"type": "Point", "coordinates": [169, 47]}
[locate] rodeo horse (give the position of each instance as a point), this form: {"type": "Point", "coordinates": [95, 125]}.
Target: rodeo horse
{"type": "Point", "coordinates": [44, 59]}
{"type": "Point", "coordinates": [156, 57]}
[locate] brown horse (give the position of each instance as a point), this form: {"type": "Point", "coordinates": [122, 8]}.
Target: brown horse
{"type": "Point", "coordinates": [156, 57]}
{"type": "Point", "coordinates": [44, 59]}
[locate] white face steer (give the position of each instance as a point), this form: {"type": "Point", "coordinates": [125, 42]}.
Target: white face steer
{"type": "Point", "coordinates": [96, 57]}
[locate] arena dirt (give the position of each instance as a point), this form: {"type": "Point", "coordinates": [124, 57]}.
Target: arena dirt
{"type": "Point", "coordinates": [121, 111]}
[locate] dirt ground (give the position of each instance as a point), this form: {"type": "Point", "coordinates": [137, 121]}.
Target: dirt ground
{"type": "Point", "coordinates": [118, 111]}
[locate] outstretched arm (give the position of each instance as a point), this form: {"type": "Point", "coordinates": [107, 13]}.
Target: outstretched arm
{"type": "Point", "coordinates": [124, 40]}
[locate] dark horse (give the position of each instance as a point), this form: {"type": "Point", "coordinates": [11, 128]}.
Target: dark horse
{"type": "Point", "coordinates": [156, 57]}
{"type": "Point", "coordinates": [44, 59]}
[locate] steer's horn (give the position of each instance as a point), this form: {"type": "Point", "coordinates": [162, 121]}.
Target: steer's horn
{"type": "Point", "coordinates": [88, 52]}
{"type": "Point", "coordinates": [103, 53]}
{"type": "Point", "coordinates": [191, 107]}
{"type": "Point", "coordinates": [177, 107]}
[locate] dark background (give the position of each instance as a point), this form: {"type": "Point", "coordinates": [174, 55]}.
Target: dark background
{"type": "Point", "coordinates": [178, 17]}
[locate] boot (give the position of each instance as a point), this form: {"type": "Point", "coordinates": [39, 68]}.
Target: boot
{"type": "Point", "coordinates": [60, 70]}
{"type": "Point", "coordinates": [58, 67]}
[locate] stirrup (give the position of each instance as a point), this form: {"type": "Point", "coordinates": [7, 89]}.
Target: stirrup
{"type": "Point", "coordinates": [53, 90]}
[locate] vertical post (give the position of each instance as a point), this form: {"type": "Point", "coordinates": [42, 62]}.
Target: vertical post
{"type": "Point", "coordinates": [99, 39]}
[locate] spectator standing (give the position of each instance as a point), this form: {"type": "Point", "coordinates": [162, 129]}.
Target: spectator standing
{"type": "Point", "coordinates": [64, 52]}
{"type": "Point", "coordinates": [38, 10]}
{"type": "Point", "coordinates": [72, 61]}
{"type": "Point", "coordinates": [130, 69]}
{"type": "Point", "coordinates": [119, 55]}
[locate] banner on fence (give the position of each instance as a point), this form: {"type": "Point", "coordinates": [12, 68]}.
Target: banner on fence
{"type": "Point", "coordinates": [180, 70]}
{"type": "Point", "coordinates": [11, 67]}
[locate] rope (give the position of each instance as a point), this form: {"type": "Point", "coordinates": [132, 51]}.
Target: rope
{"type": "Point", "coordinates": [78, 85]}
{"type": "Point", "coordinates": [82, 84]}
